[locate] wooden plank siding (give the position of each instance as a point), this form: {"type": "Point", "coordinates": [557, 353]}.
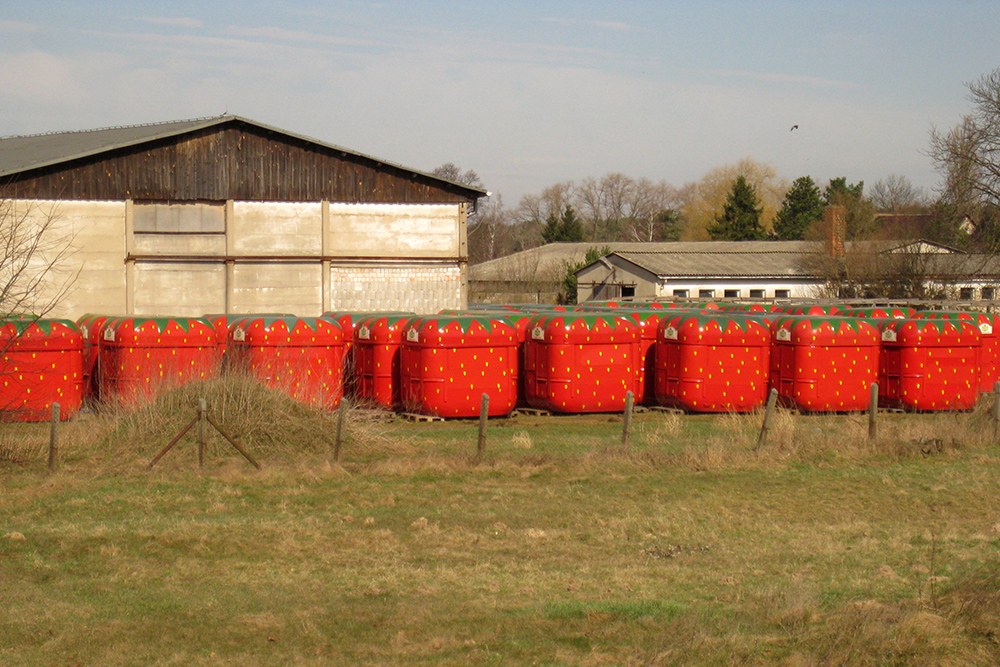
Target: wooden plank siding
{"type": "Point", "coordinates": [235, 161]}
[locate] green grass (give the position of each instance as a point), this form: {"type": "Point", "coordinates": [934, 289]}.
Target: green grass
{"type": "Point", "coordinates": [560, 547]}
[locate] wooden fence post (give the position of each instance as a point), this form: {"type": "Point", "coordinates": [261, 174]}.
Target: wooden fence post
{"type": "Point", "coordinates": [340, 430]}
{"type": "Point", "coordinates": [202, 409]}
{"type": "Point", "coordinates": [873, 413]}
{"type": "Point", "coordinates": [996, 411]}
{"type": "Point", "coordinates": [54, 439]}
{"type": "Point", "coordinates": [766, 426]}
{"type": "Point", "coordinates": [484, 412]}
{"type": "Point", "coordinates": [627, 425]}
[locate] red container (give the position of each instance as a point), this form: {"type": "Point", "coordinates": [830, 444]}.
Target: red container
{"type": "Point", "coordinates": [712, 363]}
{"type": "Point", "coordinates": [815, 310]}
{"type": "Point", "coordinates": [743, 308]}
{"type": "Point", "coordinates": [989, 328]}
{"type": "Point", "coordinates": [140, 357]}
{"type": "Point", "coordinates": [824, 364]}
{"type": "Point", "coordinates": [300, 356]}
{"type": "Point", "coordinates": [879, 313]}
{"type": "Point", "coordinates": [42, 364]}
{"type": "Point", "coordinates": [591, 306]}
{"type": "Point", "coordinates": [930, 364]}
{"type": "Point", "coordinates": [91, 328]}
{"type": "Point", "coordinates": [378, 341]}
{"type": "Point", "coordinates": [581, 363]}
{"type": "Point", "coordinates": [648, 322]}
{"type": "Point", "coordinates": [449, 361]}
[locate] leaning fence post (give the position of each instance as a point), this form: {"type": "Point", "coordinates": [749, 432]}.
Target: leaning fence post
{"type": "Point", "coordinates": [772, 398]}
{"type": "Point", "coordinates": [54, 438]}
{"type": "Point", "coordinates": [627, 425]}
{"type": "Point", "coordinates": [873, 413]}
{"type": "Point", "coordinates": [484, 412]}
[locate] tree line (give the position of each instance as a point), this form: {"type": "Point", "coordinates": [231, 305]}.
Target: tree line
{"type": "Point", "coordinates": [748, 201]}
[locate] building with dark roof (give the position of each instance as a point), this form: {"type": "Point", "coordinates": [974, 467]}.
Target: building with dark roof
{"type": "Point", "coordinates": [706, 270]}
{"type": "Point", "coordinates": [226, 214]}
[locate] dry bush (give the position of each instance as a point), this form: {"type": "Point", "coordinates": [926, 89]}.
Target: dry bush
{"type": "Point", "coordinates": [266, 422]}
{"type": "Point", "coordinates": [827, 439]}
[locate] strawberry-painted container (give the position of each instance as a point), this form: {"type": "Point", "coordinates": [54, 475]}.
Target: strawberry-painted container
{"type": "Point", "coordinates": [223, 321]}
{"type": "Point", "coordinates": [591, 306]}
{"type": "Point", "coordinates": [824, 364]}
{"type": "Point", "coordinates": [140, 357]}
{"type": "Point", "coordinates": [378, 342]}
{"type": "Point", "coordinates": [346, 321]}
{"type": "Point", "coordinates": [743, 308]}
{"type": "Point", "coordinates": [648, 321]}
{"type": "Point", "coordinates": [449, 361]}
{"type": "Point", "coordinates": [810, 310]}
{"type": "Point", "coordinates": [300, 356]}
{"type": "Point", "coordinates": [92, 328]}
{"type": "Point", "coordinates": [989, 328]}
{"type": "Point", "coordinates": [581, 363]}
{"type": "Point", "coordinates": [930, 364]}
{"type": "Point", "coordinates": [42, 364]}
{"type": "Point", "coordinates": [712, 363]}
{"type": "Point", "coordinates": [887, 313]}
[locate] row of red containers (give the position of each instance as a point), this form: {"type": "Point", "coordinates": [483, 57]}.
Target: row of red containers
{"type": "Point", "coordinates": [128, 360]}
{"type": "Point", "coordinates": [697, 361]}
{"type": "Point", "coordinates": [704, 360]}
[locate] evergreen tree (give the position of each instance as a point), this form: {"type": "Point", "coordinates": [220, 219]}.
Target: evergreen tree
{"type": "Point", "coordinates": [565, 228]}
{"type": "Point", "coordinates": [860, 212]}
{"type": "Point", "coordinates": [740, 219]}
{"type": "Point", "coordinates": [802, 206]}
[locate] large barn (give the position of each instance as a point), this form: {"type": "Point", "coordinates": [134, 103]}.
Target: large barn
{"type": "Point", "coordinates": [227, 215]}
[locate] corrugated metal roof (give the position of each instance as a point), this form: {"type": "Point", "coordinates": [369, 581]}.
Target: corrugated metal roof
{"type": "Point", "coordinates": [755, 259]}
{"type": "Point", "coordinates": [24, 153]}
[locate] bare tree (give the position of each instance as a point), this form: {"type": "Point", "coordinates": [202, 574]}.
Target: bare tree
{"type": "Point", "coordinates": [896, 194]}
{"type": "Point", "coordinates": [35, 248]}
{"type": "Point", "coordinates": [968, 156]}
{"type": "Point", "coordinates": [880, 270]}
{"type": "Point", "coordinates": [489, 232]}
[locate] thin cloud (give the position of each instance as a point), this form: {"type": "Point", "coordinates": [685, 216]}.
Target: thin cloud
{"type": "Point", "coordinates": [17, 27]}
{"type": "Point", "coordinates": [178, 22]}
{"type": "Point", "coordinates": [612, 25]}
{"type": "Point", "coordinates": [780, 77]}
{"type": "Point", "coordinates": [283, 34]}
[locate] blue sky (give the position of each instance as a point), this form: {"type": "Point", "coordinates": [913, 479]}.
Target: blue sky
{"type": "Point", "coordinates": [525, 93]}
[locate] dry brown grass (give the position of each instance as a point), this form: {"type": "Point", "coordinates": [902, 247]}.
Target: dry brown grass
{"type": "Point", "coordinates": [560, 546]}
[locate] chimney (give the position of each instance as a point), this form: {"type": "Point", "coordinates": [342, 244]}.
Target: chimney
{"type": "Point", "coordinates": [835, 221]}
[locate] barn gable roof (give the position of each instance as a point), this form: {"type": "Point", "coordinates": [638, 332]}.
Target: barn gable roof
{"type": "Point", "coordinates": [21, 157]}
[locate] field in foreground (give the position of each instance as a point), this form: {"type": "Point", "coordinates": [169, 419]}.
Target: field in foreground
{"type": "Point", "coordinates": [559, 547]}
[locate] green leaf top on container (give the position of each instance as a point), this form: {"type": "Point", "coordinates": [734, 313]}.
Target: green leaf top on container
{"type": "Point", "coordinates": [161, 323]}
{"type": "Point", "coordinates": [817, 321]}
{"type": "Point", "coordinates": [590, 320]}
{"type": "Point", "coordinates": [465, 322]}
{"type": "Point", "coordinates": [22, 324]}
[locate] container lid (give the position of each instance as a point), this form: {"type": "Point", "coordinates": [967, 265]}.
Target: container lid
{"type": "Point", "coordinates": [383, 328]}
{"type": "Point", "coordinates": [158, 332]}
{"type": "Point", "coordinates": [40, 334]}
{"type": "Point", "coordinates": [710, 329]}
{"type": "Point", "coordinates": [583, 329]}
{"type": "Point", "coordinates": [275, 330]}
{"type": "Point", "coordinates": [931, 332]}
{"type": "Point", "coordinates": [825, 331]}
{"type": "Point", "coordinates": [460, 330]}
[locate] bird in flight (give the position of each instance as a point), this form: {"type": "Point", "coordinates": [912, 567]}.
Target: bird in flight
{"type": "Point", "coordinates": [794, 127]}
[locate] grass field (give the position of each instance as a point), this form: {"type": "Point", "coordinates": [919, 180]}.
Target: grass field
{"type": "Point", "coordinates": [559, 547]}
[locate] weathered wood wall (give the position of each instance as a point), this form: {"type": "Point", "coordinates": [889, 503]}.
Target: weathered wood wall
{"type": "Point", "coordinates": [236, 161]}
